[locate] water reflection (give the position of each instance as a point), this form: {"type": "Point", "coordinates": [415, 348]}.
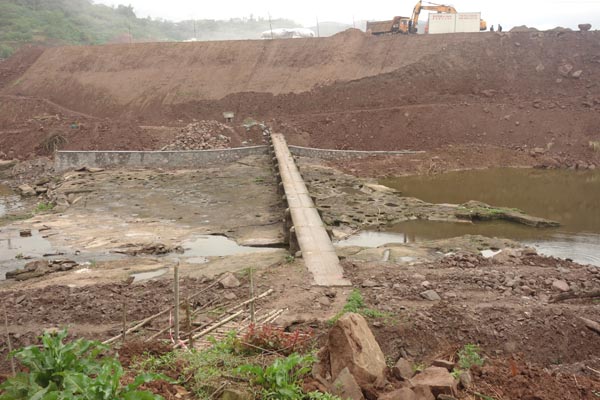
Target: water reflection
{"type": "Point", "coordinates": [569, 197]}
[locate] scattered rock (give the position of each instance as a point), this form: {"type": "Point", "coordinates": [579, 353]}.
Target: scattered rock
{"type": "Point", "coordinates": [403, 369]}
{"type": "Point", "coordinates": [369, 283]}
{"type": "Point", "coordinates": [560, 285]}
{"type": "Point", "coordinates": [565, 69]}
{"type": "Point", "coordinates": [400, 394]}
{"type": "Point", "coordinates": [230, 296]}
{"type": "Point", "coordinates": [202, 135]}
{"type": "Point", "coordinates": [439, 380]}
{"type": "Point", "coordinates": [380, 188]}
{"type": "Point", "coordinates": [430, 295]}
{"type": "Point", "coordinates": [345, 386]}
{"type": "Point", "coordinates": [584, 27]}
{"type": "Point", "coordinates": [466, 379]}
{"type": "Point", "coordinates": [449, 365]}
{"type": "Point", "coordinates": [353, 346]}
{"type": "Point", "coordinates": [26, 190]}
{"type": "Point", "coordinates": [229, 281]}
{"type": "Point", "coordinates": [423, 392]}
{"type": "Point", "coordinates": [446, 397]}
{"type": "Point", "coordinates": [37, 268]}
{"type": "Point", "coordinates": [134, 249]}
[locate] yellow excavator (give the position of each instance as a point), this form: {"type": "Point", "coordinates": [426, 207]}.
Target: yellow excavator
{"type": "Point", "coordinates": [410, 25]}
{"type": "Point", "coordinates": [439, 8]}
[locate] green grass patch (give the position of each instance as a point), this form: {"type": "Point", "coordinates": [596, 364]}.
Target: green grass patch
{"type": "Point", "coordinates": [44, 207]}
{"type": "Point", "coordinates": [356, 304]}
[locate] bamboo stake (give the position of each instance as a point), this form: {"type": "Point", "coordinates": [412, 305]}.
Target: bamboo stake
{"type": "Point", "coordinates": [153, 317]}
{"type": "Point", "coordinates": [189, 322]}
{"type": "Point", "coordinates": [210, 328]}
{"type": "Point", "coordinates": [12, 361]}
{"type": "Point", "coordinates": [124, 334]}
{"type": "Point", "coordinates": [252, 311]}
{"type": "Point", "coordinates": [176, 306]}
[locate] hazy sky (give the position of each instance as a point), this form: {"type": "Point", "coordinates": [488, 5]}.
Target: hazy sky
{"type": "Point", "coordinates": [541, 14]}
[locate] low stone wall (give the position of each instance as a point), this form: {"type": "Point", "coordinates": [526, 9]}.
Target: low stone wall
{"type": "Point", "coordinates": [326, 154]}
{"type": "Point", "coordinates": [65, 160]}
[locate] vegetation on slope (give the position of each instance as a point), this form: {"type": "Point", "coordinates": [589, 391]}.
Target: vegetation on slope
{"type": "Point", "coordinates": [83, 22]}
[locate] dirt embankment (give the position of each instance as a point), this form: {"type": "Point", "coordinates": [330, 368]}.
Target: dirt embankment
{"type": "Point", "coordinates": [515, 91]}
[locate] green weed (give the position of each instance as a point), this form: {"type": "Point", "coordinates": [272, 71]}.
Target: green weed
{"type": "Point", "coordinates": [282, 379]}
{"type": "Point", "coordinates": [468, 356]}
{"type": "Point", "coordinates": [356, 304]}
{"type": "Point", "coordinates": [290, 259]}
{"type": "Point", "coordinates": [43, 207]}
{"type": "Point", "coordinates": [74, 370]}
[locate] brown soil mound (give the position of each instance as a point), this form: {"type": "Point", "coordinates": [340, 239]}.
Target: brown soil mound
{"type": "Point", "coordinates": [516, 91]}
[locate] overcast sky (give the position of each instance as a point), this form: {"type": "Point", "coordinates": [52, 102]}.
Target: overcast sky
{"type": "Point", "coordinates": [542, 14]}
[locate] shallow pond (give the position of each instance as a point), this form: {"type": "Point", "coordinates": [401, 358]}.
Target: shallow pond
{"type": "Point", "coordinates": [569, 197]}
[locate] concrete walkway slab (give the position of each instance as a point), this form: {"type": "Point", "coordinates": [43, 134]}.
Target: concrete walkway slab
{"type": "Point", "coordinates": [317, 250]}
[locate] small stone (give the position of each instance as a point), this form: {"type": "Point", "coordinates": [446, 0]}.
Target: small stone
{"type": "Point", "coordinates": [466, 380]}
{"type": "Point", "coordinates": [577, 74]}
{"type": "Point", "coordinates": [229, 281]}
{"type": "Point", "coordinates": [527, 291]}
{"type": "Point", "coordinates": [26, 190]}
{"type": "Point", "coordinates": [438, 379]}
{"type": "Point", "coordinates": [560, 285]}
{"type": "Point", "coordinates": [25, 233]}
{"type": "Point", "coordinates": [369, 283]}
{"type": "Point", "coordinates": [230, 296]}
{"type": "Point", "coordinates": [449, 365]}
{"type": "Point", "coordinates": [403, 370]}
{"type": "Point", "coordinates": [324, 301]}
{"type": "Point", "coordinates": [345, 386]}
{"type": "Point", "coordinates": [426, 284]}
{"type": "Point", "coordinates": [430, 295]}
{"type": "Point", "coordinates": [400, 394]}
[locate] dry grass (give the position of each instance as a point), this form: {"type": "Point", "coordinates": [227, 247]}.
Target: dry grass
{"type": "Point", "coordinates": [53, 143]}
{"type": "Point", "coordinates": [595, 145]}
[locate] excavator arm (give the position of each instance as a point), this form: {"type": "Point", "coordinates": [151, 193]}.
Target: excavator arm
{"type": "Point", "coordinates": [440, 8]}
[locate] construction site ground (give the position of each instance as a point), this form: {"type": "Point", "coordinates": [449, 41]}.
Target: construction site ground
{"type": "Point", "coordinates": [468, 101]}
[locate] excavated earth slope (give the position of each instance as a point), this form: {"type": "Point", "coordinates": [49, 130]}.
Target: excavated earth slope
{"type": "Point", "coordinates": [514, 90]}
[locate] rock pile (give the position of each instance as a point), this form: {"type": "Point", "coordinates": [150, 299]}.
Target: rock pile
{"type": "Point", "coordinates": [39, 268]}
{"type": "Point", "coordinates": [352, 366]}
{"type": "Point", "coordinates": [202, 135]}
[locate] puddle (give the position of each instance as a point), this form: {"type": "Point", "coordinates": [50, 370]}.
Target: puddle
{"type": "Point", "coordinates": [143, 276]}
{"type": "Point", "coordinates": [13, 248]}
{"type": "Point", "coordinates": [9, 200]}
{"type": "Point", "coordinates": [569, 197]}
{"type": "Point", "coordinates": [216, 246]}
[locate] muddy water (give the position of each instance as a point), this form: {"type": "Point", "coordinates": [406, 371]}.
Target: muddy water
{"type": "Point", "coordinates": [9, 201]}
{"type": "Point", "coordinates": [569, 197]}
{"type": "Point", "coordinates": [215, 246]}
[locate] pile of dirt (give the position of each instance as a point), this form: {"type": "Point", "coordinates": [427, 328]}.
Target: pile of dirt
{"type": "Point", "coordinates": [202, 135]}
{"type": "Point", "coordinates": [516, 91]}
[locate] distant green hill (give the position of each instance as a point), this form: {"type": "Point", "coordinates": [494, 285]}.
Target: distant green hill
{"type": "Point", "coordinates": [57, 22]}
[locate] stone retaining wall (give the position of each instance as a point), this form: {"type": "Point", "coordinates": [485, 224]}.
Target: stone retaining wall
{"type": "Point", "coordinates": [326, 154]}
{"type": "Point", "coordinates": [65, 160]}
